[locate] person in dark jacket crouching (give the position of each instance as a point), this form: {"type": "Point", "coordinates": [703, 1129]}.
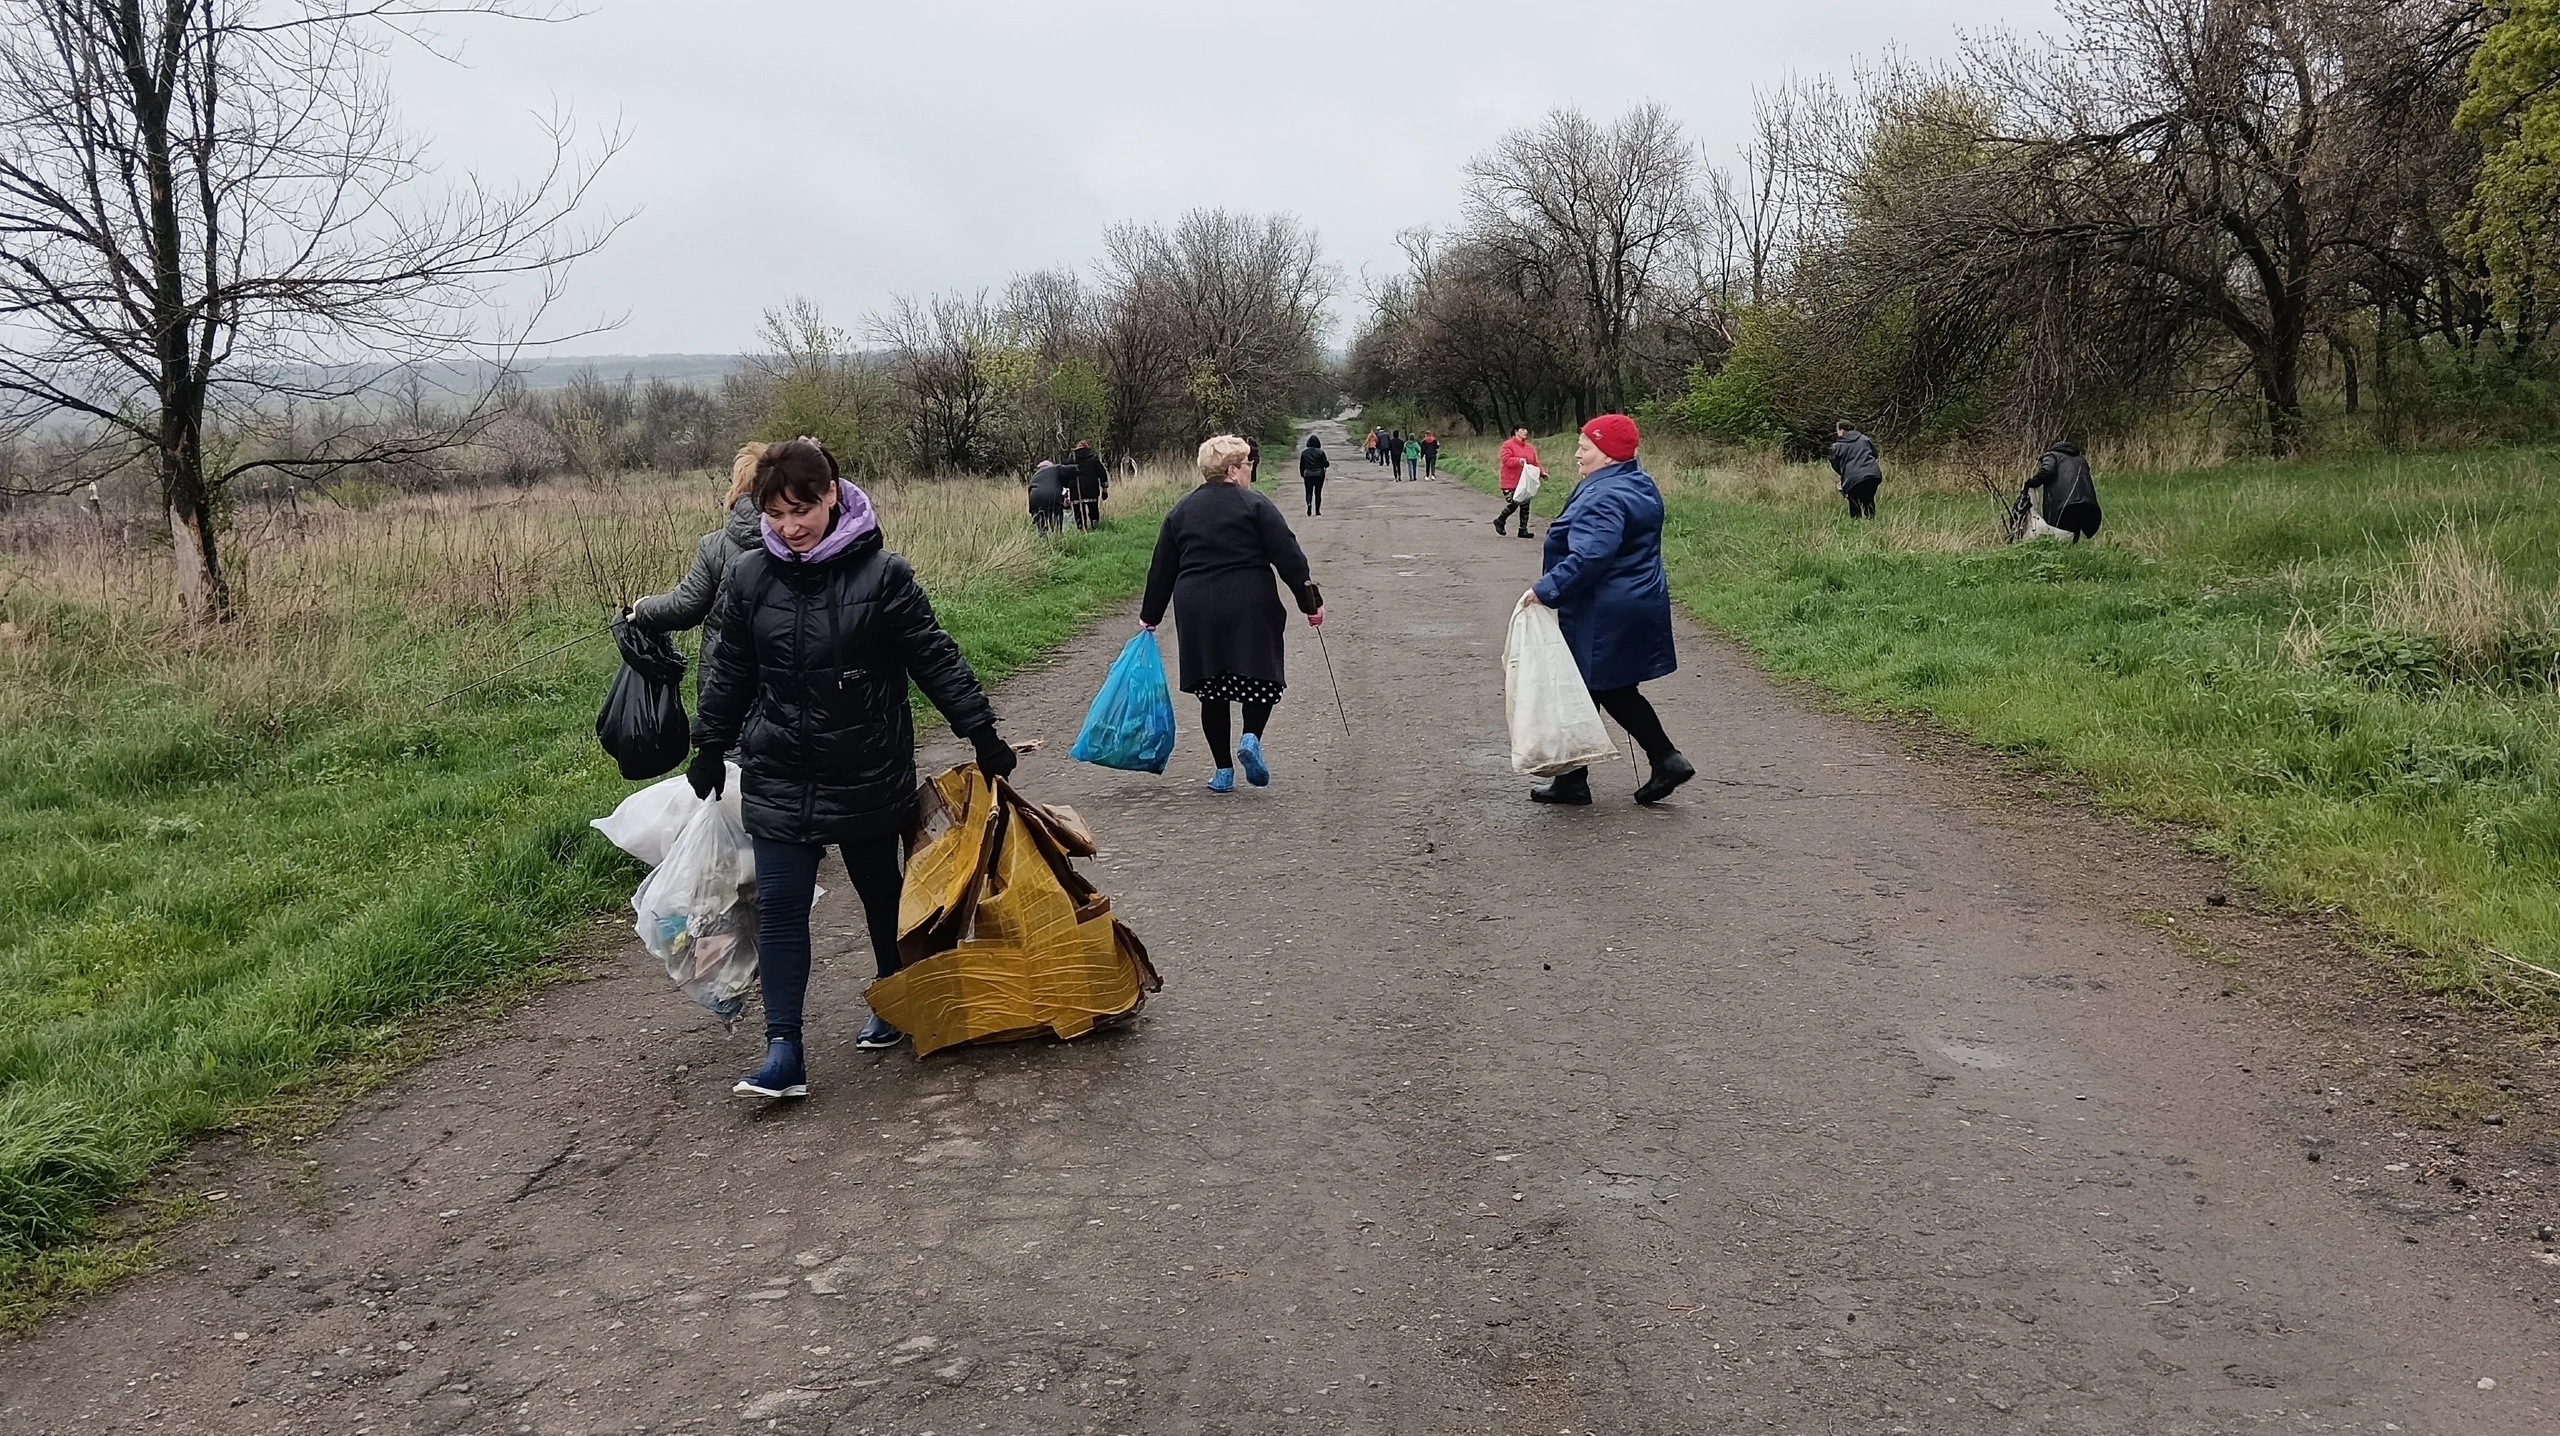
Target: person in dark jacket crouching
{"type": "Point", "coordinates": [1853, 458]}
{"type": "Point", "coordinates": [1312, 463]}
{"type": "Point", "coordinates": [1214, 559]}
{"type": "Point", "coordinates": [822, 626]}
{"type": "Point", "coordinates": [2070, 495]}
{"type": "Point", "coordinates": [1605, 581]}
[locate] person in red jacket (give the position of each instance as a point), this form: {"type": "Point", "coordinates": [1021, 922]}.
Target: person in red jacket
{"type": "Point", "coordinates": [1516, 451]}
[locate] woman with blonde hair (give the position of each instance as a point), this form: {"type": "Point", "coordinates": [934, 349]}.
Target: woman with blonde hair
{"type": "Point", "coordinates": [1215, 556]}
{"type": "Point", "coordinates": [695, 600]}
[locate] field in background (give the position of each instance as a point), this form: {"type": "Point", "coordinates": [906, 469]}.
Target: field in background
{"type": "Point", "coordinates": [2340, 674]}
{"type": "Point", "coordinates": [236, 857]}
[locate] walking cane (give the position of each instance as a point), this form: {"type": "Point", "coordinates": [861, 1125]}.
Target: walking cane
{"type": "Point", "coordinates": [1336, 682]}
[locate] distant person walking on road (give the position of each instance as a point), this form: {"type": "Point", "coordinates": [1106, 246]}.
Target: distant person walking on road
{"type": "Point", "coordinates": [1049, 496]}
{"type": "Point", "coordinates": [2070, 495]}
{"type": "Point", "coordinates": [1853, 458]}
{"type": "Point", "coordinates": [1430, 455]}
{"type": "Point", "coordinates": [1214, 559]}
{"type": "Point", "coordinates": [1605, 581]}
{"type": "Point", "coordinates": [1395, 453]}
{"type": "Point", "coordinates": [1312, 462]}
{"type": "Point", "coordinates": [1413, 458]}
{"type": "Point", "coordinates": [1369, 446]}
{"type": "Point", "coordinates": [1517, 453]}
{"type": "Point", "coordinates": [821, 629]}
{"type": "Point", "coordinates": [1092, 484]}
{"type": "Point", "coordinates": [695, 600]}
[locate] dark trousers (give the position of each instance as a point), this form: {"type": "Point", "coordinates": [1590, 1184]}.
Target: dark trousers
{"type": "Point", "coordinates": [1509, 506]}
{"type": "Point", "coordinates": [1048, 521]}
{"type": "Point", "coordinates": [1215, 721]}
{"type": "Point", "coordinates": [786, 879]}
{"type": "Point", "coordinates": [1635, 714]}
{"type": "Point", "coordinates": [1088, 513]}
{"type": "Point", "coordinates": [1862, 498]}
{"type": "Point", "coordinates": [1431, 466]}
{"type": "Point", "coordinates": [1315, 497]}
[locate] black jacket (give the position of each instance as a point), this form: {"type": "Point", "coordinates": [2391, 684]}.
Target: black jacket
{"type": "Point", "coordinates": [1431, 448]}
{"type": "Point", "coordinates": [1093, 481]}
{"type": "Point", "coordinates": [1313, 461]}
{"type": "Point", "coordinates": [1214, 559]}
{"type": "Point", "coordinates": [809, 691]}
{"type": "Point", "coordinates": [1853, 458]}
{"type": "Point", "coordinates": [1049, 489]}
{"type": "Point", "coordinates": [696, 597]}
{"type": "Point", "coordinates": [2070, 496]}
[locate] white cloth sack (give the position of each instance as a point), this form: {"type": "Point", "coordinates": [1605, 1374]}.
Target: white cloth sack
{"type": "Point", "coordinates": [1555, 727]}
{"type": "Point", "coordinates": [697, 912]}
{"type": "Point", "coordinates": [1527, 488]}
{"type": "Point", "coordinates": [646, 823]}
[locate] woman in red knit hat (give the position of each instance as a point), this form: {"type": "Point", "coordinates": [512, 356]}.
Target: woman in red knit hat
{"type": "Point", "coordinates": [1605, 581]}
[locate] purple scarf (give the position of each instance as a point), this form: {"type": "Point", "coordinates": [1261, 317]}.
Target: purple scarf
{"type": "Point", "coordinates": [854, 518]}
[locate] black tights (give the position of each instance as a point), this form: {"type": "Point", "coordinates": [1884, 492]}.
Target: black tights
{"type": "Point", "coordinates": [1214, 719]}
{"type": "Point", "coordinates": [1315, 497]}
{"type": "Point", "coordinates": [1636, 715]}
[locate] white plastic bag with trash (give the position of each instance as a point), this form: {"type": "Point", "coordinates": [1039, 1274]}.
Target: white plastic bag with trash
{"type": "Point", "coordinates": [1527, 488]}
{"type": "Point", "coordinates": [697, 911]}
{"type": "Point", "coordinates": [645, 824]}
{"type": "Point", "coordinates": [1555, 727]}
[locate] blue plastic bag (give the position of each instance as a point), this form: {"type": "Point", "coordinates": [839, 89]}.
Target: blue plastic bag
{"type": "Point", "coordinates": [1130, 724]}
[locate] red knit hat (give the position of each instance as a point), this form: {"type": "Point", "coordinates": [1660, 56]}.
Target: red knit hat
{"type": "Point", "coordinates": [1614, 435]}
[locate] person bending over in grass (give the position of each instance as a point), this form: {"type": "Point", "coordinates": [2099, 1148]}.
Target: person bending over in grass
{"type": "Point", "coordinates": [695, 600]}
{"type": "Point", "coordinates": [1605, 581]}
{"type": "Point", "coordinates": [1853, 458]}
{"type": "Point", "coordinates": [1214, 559]}
{"type": "Point", "coordinates": [2070, 497]}
{"type": "Point", "coordinates": [822, 627]}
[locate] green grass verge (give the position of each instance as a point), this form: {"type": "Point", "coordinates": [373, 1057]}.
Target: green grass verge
{"type": "Point", "coordinates": [207, 909]}
{"type": "Point", "coordinates": [2338, 673]}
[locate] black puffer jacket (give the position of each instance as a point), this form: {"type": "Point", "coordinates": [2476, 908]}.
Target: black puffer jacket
{"type": "Point", "coordinates": [1313, 460]}
{"type": "Point", "coordinates": [813, 666]}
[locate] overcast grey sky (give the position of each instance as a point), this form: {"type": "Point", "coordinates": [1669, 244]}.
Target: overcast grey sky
{"type": "Point", "coordinates": [849, 151]}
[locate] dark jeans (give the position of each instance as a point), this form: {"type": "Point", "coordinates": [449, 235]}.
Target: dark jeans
{"type": "Point", "coordinates": [1431, 466]}
{"type": "Point", "coordinates": [1315, 496]}
{"type": "Point", "coordinates": [1214, 721]}
{"type": "Point", "coordinates": [1635, 714]}
{"type": "Point", "coordinates": [1511, 505]}
{"type": "Point", "coordinates": [786, 878]}
{"type": "Point", "coordinates": [1862, 498]}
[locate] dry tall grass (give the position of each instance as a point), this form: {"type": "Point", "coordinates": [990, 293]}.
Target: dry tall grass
{"type": "Point", "coordinates": [324, 593]}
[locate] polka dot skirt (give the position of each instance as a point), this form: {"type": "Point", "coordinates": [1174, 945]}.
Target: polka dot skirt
{"type": "Point", "coordinates": [1236, 688]}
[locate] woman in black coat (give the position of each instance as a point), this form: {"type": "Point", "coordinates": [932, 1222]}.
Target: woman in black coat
{"type": "Point", "coordinates": [1312, 463]}
{"type": "Point", "coordinates": [821, 627]}
{"type": "Point", "coordinates": [1214, 559]}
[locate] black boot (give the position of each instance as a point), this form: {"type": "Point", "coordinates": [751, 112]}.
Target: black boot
{"type": "Point", "coordinates": [1570, 789]}
{"type": "Point", "coordinates": [1668, 774]}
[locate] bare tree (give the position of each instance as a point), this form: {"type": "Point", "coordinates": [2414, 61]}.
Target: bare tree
{"type": "Point", "coordinates": [940, 354]}
{"type": "Point", "coordinates": [208, 211]}
{"type": "Point", "coordinates": [1219, 315]}
{"type": "Point", "coordinates": [1607, 208]}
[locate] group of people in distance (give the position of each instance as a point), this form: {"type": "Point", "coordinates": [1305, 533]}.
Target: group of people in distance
{"type": "Point", "coordinates": [1405, 458]}
{"type": "Point", "coordinates": [1074, 485]}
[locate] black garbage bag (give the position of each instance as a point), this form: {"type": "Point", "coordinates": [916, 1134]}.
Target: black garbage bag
{"type": "Point", "coordinates": [642, 723]}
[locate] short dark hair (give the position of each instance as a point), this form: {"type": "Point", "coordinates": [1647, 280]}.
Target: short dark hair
{"type": "Point", "coordinates": [1838, 425]}
{"type": "Point", "coordinates": [799, 468]}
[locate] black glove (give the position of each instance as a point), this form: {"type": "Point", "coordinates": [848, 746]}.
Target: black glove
{"type": "Point", "coordinates": [709, 773]}
{"type": "Point", "coordinates": [996, 757]}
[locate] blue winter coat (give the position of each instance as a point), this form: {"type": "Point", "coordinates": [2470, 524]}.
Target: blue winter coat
{"type": "Point", "coordinates": [1604, 578]}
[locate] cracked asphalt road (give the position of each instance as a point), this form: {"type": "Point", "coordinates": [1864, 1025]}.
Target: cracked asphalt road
{"type": "Point", "coordinates": [1779, 1108]}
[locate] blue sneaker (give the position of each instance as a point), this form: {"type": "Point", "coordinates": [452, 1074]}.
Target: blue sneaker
{"type": "Point", "coordinates": [782, 1074]}
{"type": "Point", "coordinates": [1223, 781]}
{"type": "Point", "coordinates": [878, 1035]}
{"type": "Point", "coordinates": [1249, 753]}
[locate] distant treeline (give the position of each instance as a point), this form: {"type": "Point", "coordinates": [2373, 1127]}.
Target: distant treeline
{"type": "Point", "coordinates": [2266, 213]}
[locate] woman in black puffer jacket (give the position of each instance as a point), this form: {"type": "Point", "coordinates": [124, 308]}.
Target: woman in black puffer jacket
{"type": "Point", "coordinates": [821, 627]}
